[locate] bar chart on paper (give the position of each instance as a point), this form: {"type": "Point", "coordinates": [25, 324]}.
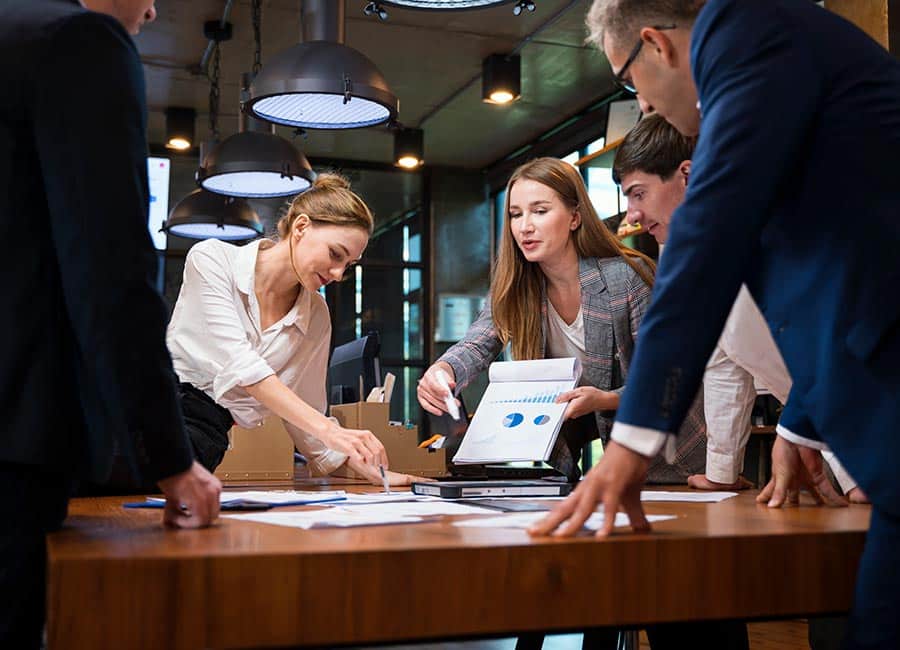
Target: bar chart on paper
{"type": "Point", "coordinates": [544, 397]}
{"type": "Point", "coordinates": [519, 417]}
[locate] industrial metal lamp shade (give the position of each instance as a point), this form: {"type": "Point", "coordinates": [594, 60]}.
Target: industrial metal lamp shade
{"type": "Point", "coordinates": [255, 165]}
{"type": "Point", "coordinates": [444, 4]}
{"type": "Point", "coordinates": [322, 85]}
{"type": "Point", "coordinates": [204, 215]}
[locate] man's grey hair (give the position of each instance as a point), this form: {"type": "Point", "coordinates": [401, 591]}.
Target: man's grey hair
{"type": "Point", "coordinates": [623, 19]}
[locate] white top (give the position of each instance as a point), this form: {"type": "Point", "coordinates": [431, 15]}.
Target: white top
{"type": "Point", "coordinates": [218, 345]}
{"type": "Point", "coordinates": [564, 340]}
{"type": "Point", "coordinates": [746, 352]}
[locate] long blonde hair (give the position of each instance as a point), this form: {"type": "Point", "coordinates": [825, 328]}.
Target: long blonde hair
{"type": "Point", "coordinates": [329, 201]}
{"type": "Point", "coordinates": [517, 285]}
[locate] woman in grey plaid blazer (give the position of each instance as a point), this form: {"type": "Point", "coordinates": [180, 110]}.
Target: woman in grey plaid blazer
{"type": "Point", "coordinates": [559, 269]}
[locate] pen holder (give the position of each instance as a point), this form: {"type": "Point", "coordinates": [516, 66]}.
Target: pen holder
{"type": "Point", "coordinates": [400, 443]}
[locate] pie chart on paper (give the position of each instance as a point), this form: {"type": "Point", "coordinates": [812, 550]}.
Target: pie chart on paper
{"type": "Point", "coordinates": [513, 420]}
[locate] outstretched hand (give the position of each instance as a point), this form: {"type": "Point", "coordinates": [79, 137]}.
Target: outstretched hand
{"type": "Point", "coordinates": [615, 482]}
{"type": "Point", "coordinates": [795, 467]}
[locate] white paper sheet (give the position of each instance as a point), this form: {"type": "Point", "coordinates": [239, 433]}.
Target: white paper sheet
{"type": "Point", "coordinates": [382, 497]}
{"type": "Point", "coordinates": [429, 508]}
{"type": "Point", "coordinates": [327, 518]}
{"type": "Point", "coordinates": [527, 519]}
{"type": "Point", "coordinates": [686, 497]}
{"type": "Point", "coordinates": [277, 497]}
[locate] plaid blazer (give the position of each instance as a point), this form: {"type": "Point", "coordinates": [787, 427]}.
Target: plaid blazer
{"type": "Point", "coordinates": [613, 300]}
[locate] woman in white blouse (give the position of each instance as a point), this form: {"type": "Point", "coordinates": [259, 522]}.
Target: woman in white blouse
{"type": "Point", "coordinates": [250, 333]}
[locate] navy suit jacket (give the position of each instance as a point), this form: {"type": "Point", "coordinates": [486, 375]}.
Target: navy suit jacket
{"type": "Point", "coordinates": [795, 189]}
{"type": "Point", "coordinates": [83, 363]}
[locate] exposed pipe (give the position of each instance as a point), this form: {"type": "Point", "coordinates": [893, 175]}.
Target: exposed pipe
{"type": "Point", "coordinates": [211, 45]}
{"type": "Point", "coordinates": [322, 20]}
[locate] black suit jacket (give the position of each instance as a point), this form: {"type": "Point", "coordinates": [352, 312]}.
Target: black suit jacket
{"type": "Point", "coordinates": [83, 363]}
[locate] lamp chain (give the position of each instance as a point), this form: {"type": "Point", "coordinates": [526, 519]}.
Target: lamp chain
{"type": "Point", "coordinates": [214, 95]}
{"type": "Point", "coordinates": [256, 10]}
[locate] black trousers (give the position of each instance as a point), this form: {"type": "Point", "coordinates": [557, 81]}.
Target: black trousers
{"type": "Point", "coordinates": [41, 499]}
{"type": "Point", "coordinates": [207, 425]}
{"type": "Point", "coordinates": [714, 635]}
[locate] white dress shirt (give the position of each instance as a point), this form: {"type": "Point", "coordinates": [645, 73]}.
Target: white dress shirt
{"type": "Point", "coordinates": [218, 344]}
{"type": "Point", "coordinates": [746, 352]}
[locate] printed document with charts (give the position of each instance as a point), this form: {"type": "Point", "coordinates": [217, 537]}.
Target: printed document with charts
{"type": "Point", "coordinates": [518, 418]}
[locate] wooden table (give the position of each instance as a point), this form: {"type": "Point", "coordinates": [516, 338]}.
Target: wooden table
{"type": "Point", "coordinates": [118, 580]}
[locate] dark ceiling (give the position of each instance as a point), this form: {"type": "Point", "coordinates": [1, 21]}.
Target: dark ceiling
{"type": "Point", "coordinates": [426, 57]}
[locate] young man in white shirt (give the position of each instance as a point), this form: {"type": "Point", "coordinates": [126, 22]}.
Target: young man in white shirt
{"type": "Point", "coordinates": [653, 166]}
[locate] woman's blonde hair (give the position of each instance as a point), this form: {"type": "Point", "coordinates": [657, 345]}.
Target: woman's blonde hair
{"type": "Point", "coordinates": [517, 285]}
{"type": "Point", "coordinates": [329, 201]}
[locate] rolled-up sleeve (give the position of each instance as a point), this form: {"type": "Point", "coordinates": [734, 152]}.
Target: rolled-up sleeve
{"type": "Point", "coordinates": [728, 396]}
{"type": "Point", "coordinates": [311, 388]}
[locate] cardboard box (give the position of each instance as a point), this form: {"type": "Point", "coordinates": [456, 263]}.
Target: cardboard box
{"type": "Point", "coordinates": [264, 453]}
{"type": "Point", "coordinates": [400, 443]}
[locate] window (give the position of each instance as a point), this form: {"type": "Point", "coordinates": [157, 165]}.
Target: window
{"type": "Point", "coordinates": [385, 291]}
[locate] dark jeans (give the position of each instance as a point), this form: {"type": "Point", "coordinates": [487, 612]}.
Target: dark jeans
{"type": "Point", "coordinates": [41, 500]}
{"type": "Point", "coordinates": [207, 425]}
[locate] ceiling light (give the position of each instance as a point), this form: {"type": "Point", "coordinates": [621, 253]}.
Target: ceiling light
{"type": "Point", "coordinates": [204, 215]}
{"type": "Point", "coordinates": [180, 128]}
{"type": "Point", "coordinates": [322, 83]}
{"type": "Point", "coordinates": [409, 148]}
{"type": "Point", "coordinates": [255, 163]}
{"type": "Point", "coordinates": [501, 78]}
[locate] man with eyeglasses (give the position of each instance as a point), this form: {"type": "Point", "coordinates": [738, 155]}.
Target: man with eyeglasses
{"type": "Point", "coordinates": [799, 126]}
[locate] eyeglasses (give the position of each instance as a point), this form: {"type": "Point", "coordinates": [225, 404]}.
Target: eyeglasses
{"type": "Point", "coordinates": [619, 77]}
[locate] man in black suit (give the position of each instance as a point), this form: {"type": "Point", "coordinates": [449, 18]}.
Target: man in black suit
{"type": "Point", "coordinates": [83, 362]}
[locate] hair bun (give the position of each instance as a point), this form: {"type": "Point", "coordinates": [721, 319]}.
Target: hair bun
{"type": "Point", "coordinates": [331, 181]}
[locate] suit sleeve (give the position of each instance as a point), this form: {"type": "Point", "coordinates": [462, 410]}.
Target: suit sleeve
{"type": "Point", "coordinates": [89, 126]}
{"type": "Point", "coordinates": [753, 131]}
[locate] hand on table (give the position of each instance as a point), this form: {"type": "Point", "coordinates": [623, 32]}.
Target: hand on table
{"type": "Point", "coordinates": [795, 467]}
{"type": "Point", "coordinates": [192, 498]}
{"type": "Point", "coordinates": [587, 399]}
{"type": "Point", "coordinates": [615, 482]}
{"type": "Point", "coordinates": [373, 475]}
{"type": "Point", "coordinates": [856, 495]}
{"type": "Point", "coordinates": [430, 391]}
{"type": "Point", "coordinates": [700, 482]}
{"type": "Point", "coordinates": [360, 445]}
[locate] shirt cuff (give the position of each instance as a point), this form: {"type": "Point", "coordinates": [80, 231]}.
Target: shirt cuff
{"type": "Point", "coordinates": [647, 442]}
{"type": "Point", "coordinates": [845, 481]}
{"type": "Point", "coordinates": [325, 462]}
{"type": "Point", "coordinates": [790, 436]}
{"type": "Point", "coordinates": [723, 468]}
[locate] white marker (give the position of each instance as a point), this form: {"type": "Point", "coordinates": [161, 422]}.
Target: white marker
{"type": "Point", "coordinates": [449, 400]}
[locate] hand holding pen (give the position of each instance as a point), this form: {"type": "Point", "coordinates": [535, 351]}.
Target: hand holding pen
{"type": "Point", "coordinates": [435, 390]}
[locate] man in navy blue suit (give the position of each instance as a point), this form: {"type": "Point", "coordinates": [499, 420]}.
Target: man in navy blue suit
{"type": "Point", "coordinates": [84, 368]}
{"type": "Point", "coordinates": [799, 125]}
